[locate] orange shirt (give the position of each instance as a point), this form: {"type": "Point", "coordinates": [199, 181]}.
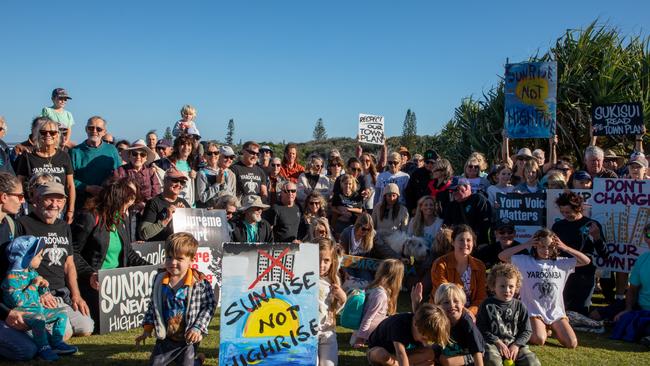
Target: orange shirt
{"type": "Point", "coordinates": [291, 173]}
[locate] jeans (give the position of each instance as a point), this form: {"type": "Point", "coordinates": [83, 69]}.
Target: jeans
{"type": "Point", "coordinates": [15, 345]}
{"type": "Point", "coordinates": [328, 349]}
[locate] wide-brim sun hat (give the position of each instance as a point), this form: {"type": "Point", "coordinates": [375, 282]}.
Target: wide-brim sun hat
{"type": "Point", "coordinates": [251, 201]}
{"type": "Point", "coordinates": [139, 144]}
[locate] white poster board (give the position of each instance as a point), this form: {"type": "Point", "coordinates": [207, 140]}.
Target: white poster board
{"type": "Point", "coordinates": [371, 129]}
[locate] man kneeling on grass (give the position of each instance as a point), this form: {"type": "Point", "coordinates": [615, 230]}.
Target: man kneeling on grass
{"type": "Point", "coordinates": [388, 344]}
{"type": "Point", "coordinates": [181, 307]}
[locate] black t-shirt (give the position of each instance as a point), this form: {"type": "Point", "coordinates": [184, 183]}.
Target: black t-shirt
{"type": "Point", "coordinates": [249, 180]}
{"type": "Point", "coordinates": [285, 221]}
{"type": "Point", "coordinates": [395, 328]}
{"type": "Point", "coordinates": [576, 235]}
{"type": "Point", "coordinates": [59, 166]}
{"type": "Point", "coordinates": [58, 247]}
{"type": "Point", "coordinates": [156, 210]}
{"type": "Point", "coordinates": [466, 337]}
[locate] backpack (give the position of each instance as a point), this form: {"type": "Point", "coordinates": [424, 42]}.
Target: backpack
{"type": "Point", "coordinates": [352, 312]}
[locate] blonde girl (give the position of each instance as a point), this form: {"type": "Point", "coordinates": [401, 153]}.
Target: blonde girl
{"type": "Point", "coordinates": [381, 299]}
{"type": "Point", "coordinates": [331, 299]}
{"type": "Point", "coordinates": [467, 344]}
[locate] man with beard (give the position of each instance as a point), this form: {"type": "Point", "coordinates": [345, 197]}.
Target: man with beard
{"type": "Point", "coordinates": [58, 266]}
{"type": "Point", "coordinates": [250, 227]}
{"type": "Point", "coordinates": [93, 161]}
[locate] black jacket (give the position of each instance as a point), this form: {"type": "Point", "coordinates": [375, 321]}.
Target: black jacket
{"type": "Point", "coordinates": [90, 239]}
{"type": "Point", "coordinates": [417, 187]}
{"type": "Point", "coordinates": [264, 232]}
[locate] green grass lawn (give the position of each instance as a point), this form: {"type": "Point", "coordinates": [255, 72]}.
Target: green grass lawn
{"type": "Point", "coordinates": [119, 349]}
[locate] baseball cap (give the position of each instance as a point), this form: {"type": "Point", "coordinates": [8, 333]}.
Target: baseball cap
{"type": "Point", "coordinates": [50, 188]}
{"type": "Point", "coordinates": [60, 93]}
{"type": "Point", "coordinates": [581, 175]}
{"type": "Point", "coordinates": [173, 173]}
{"type": "Point", "coordinates": [266, 148]}
{"type": "Point", "coordinates": [431, 155]}
{"type": "Point", "coordinates": [458, 181]}
{"type": "Point", "coordinates": [226, 151]}
{"type": "Point", "coordinates": [163, 143]}
{"type": "Point", "coordinates": [504, 223]}
{"type": "Point", "coordinates": [640, 160]}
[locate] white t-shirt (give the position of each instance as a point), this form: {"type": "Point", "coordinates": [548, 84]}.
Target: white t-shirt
{"type": "Point", "coordinates": [428, 232]}
{"type": "Point", "coordinates": [543, 285]}
{"type": "Point", "coordinates": [400, 178]}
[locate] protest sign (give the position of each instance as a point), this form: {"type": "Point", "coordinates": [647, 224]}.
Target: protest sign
{"type": "Point", "coordinates": [124, 295]}
{"type": "Point", "coordinates": [553, 214]}
{"type": "Point", "coordinates": [207, 226]}
{"type": "Point", "coordinates": [371, 129]}
{"type": "Point", "coordinates": [269, 312]}
{"type": "Point", "coordinates": [210, 228]}
{"type": "Point", "coordinates": [524, 210]}
{"type": "Point", "coordinates": [622, 207]}
{"type": "Point", "coordinates": [530, 92]}
{"type": "Point", "coordinates": [617, 119]}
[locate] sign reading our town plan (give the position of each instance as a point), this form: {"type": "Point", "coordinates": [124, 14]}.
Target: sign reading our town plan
{"type": "Point", "coordinates": [371, 129]}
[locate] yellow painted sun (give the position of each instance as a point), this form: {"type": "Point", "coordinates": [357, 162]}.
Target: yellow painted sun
{"type": "Point", "coordinates": [272, 319]}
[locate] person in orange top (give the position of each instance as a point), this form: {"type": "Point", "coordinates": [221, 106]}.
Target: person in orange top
{"type": "Point", "coordinates": [461, 268]}
{"type": "Point", "coordinates": [291, 170]}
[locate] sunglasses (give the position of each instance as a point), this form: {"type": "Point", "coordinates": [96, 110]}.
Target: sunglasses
{"type": "Point", "coordinates": [393, 163]}
{"type": "Point", "coordinates": [212, 153]}
{"type": "Point", "coordinates": [314, 203]}
{"type": "Point", "coordinates": [135, 154]}
{"type": "Point", "coordinates": [48, 132]}
{"type": "Point", "coordinates": [20, 196]}
{"type": "Point", "coordinates": [289, 191]}
{"type": "Point", "coordinates": [178, 180]}
{"type": "Point", "coordinates": [276, 165]}
{"type": "Point", "coordinates": [365, 229]}
{"type": "Point", "coordinates": [355, 169]}
{"type": "Point", "coordinates": [473, 166]}
{"type": "Point", "coordinates": [161, 148]}
{"type": "Point", "coordinates": [94, 128]}
{"type": "Point", "coordinates": [252, 152]}
{"type": "Point", "coordinates": [229, 157]}
{"type": "Point", "coordinates": [64, 131]}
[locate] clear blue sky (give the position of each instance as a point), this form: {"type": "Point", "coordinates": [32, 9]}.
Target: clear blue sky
{"type": "Point", "coordinates": [273, 66]}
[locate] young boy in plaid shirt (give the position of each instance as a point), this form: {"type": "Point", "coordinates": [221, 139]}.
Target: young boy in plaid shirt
{"type": "Point", "coordinates": [181, 307]}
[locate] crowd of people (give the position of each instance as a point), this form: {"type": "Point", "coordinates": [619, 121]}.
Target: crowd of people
{"type": "Point", "coordinates": [68, 210]}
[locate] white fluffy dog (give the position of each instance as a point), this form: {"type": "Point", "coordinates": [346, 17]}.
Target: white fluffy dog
{"type": "Point", "coordinates": [406, 245]}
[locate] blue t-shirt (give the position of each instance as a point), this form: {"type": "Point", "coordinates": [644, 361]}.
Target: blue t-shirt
{"type": "Point", "coordinates": [641, 266]}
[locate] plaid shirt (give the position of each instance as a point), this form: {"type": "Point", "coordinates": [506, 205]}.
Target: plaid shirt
{"type": "Point", "coordinates": [200, 307]}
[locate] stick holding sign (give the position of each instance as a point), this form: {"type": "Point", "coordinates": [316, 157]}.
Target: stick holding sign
{"type": "Point", "coordinates": [371, 129]}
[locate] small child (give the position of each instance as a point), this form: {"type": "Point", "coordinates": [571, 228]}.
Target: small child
{"type": "Point", "coordinates": [381, 299]}
{"type": "Point", "coordinates": [388, 344]}
{"type": "Point", "coordinates": [58, 114]}
{"type": "Point", "coordinates": [188, 113]}
{"type": "Point", "coordinates": [331, 299]}
{"type": "Point", "coordinates": [21, 290]}
{"type": "Point", "coordinates": [504, 321]}
{"type": "Point", "coordinates": [543, 285]}
{"type": "Point", "coordinates": [467, 345]}
{"type": "Point", "coordinates": [181, 307]}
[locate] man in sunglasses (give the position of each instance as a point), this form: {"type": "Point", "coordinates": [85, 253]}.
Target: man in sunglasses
{"type": "Point", "coordinates": [156, 223]}
{"type": "Point", "coordinates": [284, 216]}
{"type": "Point", "coordinates": [504, 234]}
{"type": "Point", "coordinates": [93, 161]}
{"type": "Point", "coordinates": [468, 208]}
{"type": "Point", "coordinates": [251, 178]}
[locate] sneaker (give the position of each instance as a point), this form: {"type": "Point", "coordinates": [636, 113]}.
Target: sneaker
{"type": "Point", "coordinates": [47, 354]}
{"type": "Point", "coordinates": [64, 349]}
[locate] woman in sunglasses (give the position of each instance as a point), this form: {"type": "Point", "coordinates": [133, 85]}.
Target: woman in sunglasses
{"type": "Point", "coordinates": [472, 172]}
{"type": "Point", "coordinates": [392, 175]}
{"type": "Point", "coordinates": [313, 180]}
{"type": "Point", "coordinates": [314, 207]}
{"type": "Point", "coordinates": [139, 168]}
{"type": "Point", "coordinates": [48, 158]}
